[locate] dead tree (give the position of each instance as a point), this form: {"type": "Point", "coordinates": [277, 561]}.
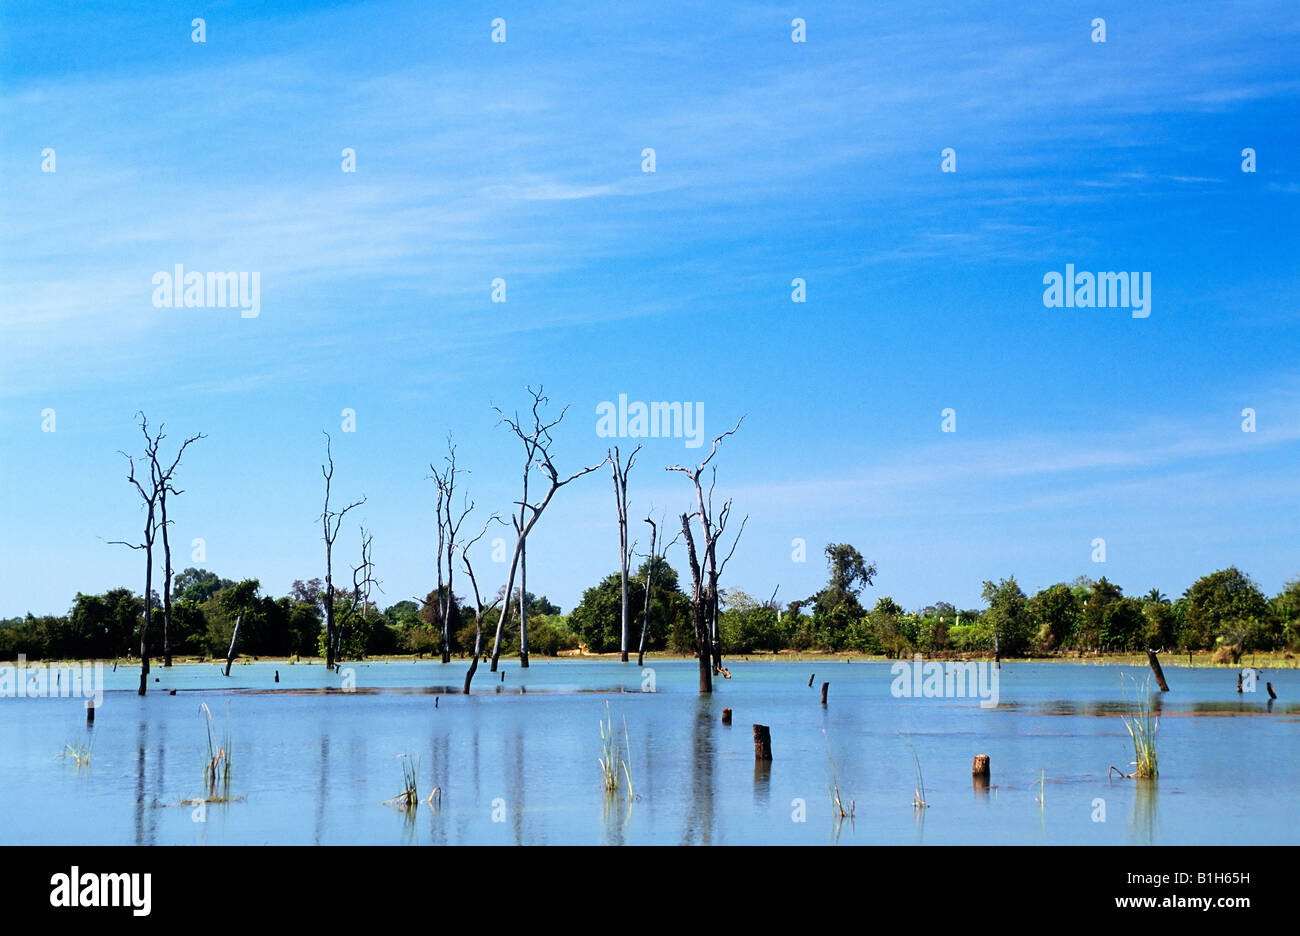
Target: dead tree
{"type": "Point", "coordinates": [448, 529]}
{"type": "Point", "coordinates": [234, 638]}
{"type": "Point", "coordinates": [703, 642]}
{"type": "Point", "coordinates": [331, 521]}
{"type": "Point", "coordinates": [363, 580]}
{"type": "Point", "coordinates": [621, 472]}
{"type": "Point", "coordinates": [655, 561]}
{"type": "Point", "coordinates": [716, 574]}
{"type": "Point", "coordinates": [1155, 668]}
{"type": "Point", "coordinates": [705, 570]}
{"type": "Point", "coordinates": [479, 610]}
{"type": "Point", "coordinates": [521, 555]}
{"type": "Point", "coordinates": [149, 496]}
{"type": "Point", "coordinates": [166, 487]}
{"type": "Point", "coordinates": [537, 442]}
{"type": "Point", "coordinates": [649, 579]}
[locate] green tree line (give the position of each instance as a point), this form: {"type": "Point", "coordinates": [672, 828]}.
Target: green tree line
{"type": "Point", "coordinates": [1225, 612]}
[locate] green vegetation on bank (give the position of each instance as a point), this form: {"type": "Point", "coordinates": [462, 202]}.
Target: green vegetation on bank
{"type": "Point", "coordinates": [1224, 612]}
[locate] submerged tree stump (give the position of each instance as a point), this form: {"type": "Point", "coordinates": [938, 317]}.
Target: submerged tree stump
{"type": "Point", "coordinates": [980, 766]}
{"type": "Point", "coordinates": [726, 716]}
{"type": "Point", "coordinates": [762, 742]}
{"type": "Point", "coordinates": [825, 688]}
{"type": "Point", "coordinates": [230, 654]}
{"type": "Point", "coordinates": [1155, 668]}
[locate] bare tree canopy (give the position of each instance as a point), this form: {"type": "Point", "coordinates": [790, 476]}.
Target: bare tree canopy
{"type": "Point", "coordinates": [153, 495]}
{"type": "Point", "coordinates": [706, 570]}
{"type": "Point", "coordinates": [479, 609]}
{"type": "Point", "coordinates": [449, 521]}
{"type": "Point", "coordinates": [535, 434]}
{"type": "Point", "coordinates": [331, 522]}
{"type": "Point", "coordinates": [621, 471]}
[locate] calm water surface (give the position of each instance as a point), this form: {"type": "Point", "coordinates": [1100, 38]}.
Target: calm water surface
{"type": "Point", "coordinates": [517, 760]}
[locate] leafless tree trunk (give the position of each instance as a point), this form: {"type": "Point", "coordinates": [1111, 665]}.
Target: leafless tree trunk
{"type": "Point", "coordinates": [448, 530]}
{"type": "Point", "coordinates": [167, 581]}
{"type": "Point", "coordinates": [621, 472]}
{"type": "Point", "coordinates": [715, 574]}
{"type": "Point", "coordinates": [158, 482]}
{"type": "Point", "coordinates": [530, 450]}
{"type": "Point", "coordinates": [523, 605]}
{"type": "Point", "coordinates": [363, 579]}
{"type": "Point", "coordinates": [705, 573]}
{"type": "Point", "coordinates": [230, 654]}
{"type": "Point", "coordinates": [165, 488]}
{"type": "Point", "coordinates": [655, 563]}
{"type": "Point", "coordinates": [479, 610]}
{"type": "Point", "coordinates": [537, 443]}
{"type": "Point", "coordinates": [649, 579]}
{"type": "Point", "coordinates": [703, 642]}
{"type": "Point", "coordinates": [331, 521]}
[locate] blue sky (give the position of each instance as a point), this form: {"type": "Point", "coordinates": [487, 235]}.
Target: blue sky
{"type": "Point", "coordinates": [775, 160]}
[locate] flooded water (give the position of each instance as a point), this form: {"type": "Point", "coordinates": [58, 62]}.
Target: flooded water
{"type": "Point", "coordinates": [517, 760]}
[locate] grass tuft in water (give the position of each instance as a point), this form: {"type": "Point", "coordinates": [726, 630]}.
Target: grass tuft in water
{"type": "Point", "coordinates": [918, 794]}
{"type": "Point", "coordinates": [1142, 725]}
{"type": "Point", "coordinates": [79, 751]}
{"type": "Point", "coordinates": [409, 798]}
{"type": "Point", "coordinates": [216, 773]}
{"type": "Point", "coordinates": [613, 765]}
{"type": "Point", "coordinates": [837, 801]}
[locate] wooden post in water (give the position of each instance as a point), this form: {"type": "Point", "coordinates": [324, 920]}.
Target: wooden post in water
{"type": "Point", "coordinates": [1238, 682]}
{"type": "Point", "coordinates": [980, 766]}
{"type": "Point", "coordinates": [90, 711]}
{"type": "Point", "coordinates": [810, 679]}
{"type": "Point", "coordinates": [1155, 668]}
{"type": "Point", "coordinates": [1271, 693]}
{"type": "Point", "coordinates": [762, 742]}
{"type": "Point", "coordinates": [726, 716]}
{"type": "Point", "coordinates": [825, 688]}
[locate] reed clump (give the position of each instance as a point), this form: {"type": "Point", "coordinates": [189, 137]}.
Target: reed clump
{"type": "Point", "coordinates": [1142, 725]}
{"type": "Point", "coordinates": [409, 798]}
{"type": "Point", "coordinates": [78, 751]}
{"type": "Point", "coordinates": [918, 793]}
{"type": "Point", "coordinates": [216, 772]}
{"type": "Point", "coordinates": [837, 801]}
{"type": "Point", "coordinates": [613, 764]}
